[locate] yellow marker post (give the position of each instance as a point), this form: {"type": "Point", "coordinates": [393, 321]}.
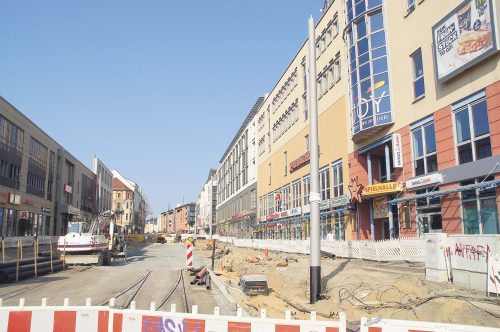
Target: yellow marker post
{"type": "Point", "coordinates": [21, 246]}
{"type": "Point", "coordinates": [51, 268]}
{"type": "Point", "coordinates": [35, 252]}
{"type": "Point", "coordinates": [17, 263]}
{"type": "Point", "coordinates": [3, 250]}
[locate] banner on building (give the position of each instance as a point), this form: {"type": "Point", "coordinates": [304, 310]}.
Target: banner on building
{"type": "Point", "coordinates": [397, 150]}
{"type": "Point", "coordinates": [380, 208]}
{"type": "Point", "coordinates": [464, 37]}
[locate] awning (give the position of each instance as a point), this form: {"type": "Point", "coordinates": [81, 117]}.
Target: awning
{"type": "Point", "coordinates": [433, 194]}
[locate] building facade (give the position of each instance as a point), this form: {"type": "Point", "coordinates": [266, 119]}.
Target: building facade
{"type": "Point", "coordinates": [42, 186]}
{"type": "Point", "coordinates": [425, 140]}
{"type": "Point", "coordinates": [206, 205]}
{"type": "Point", "coordinates": [181, 219]}
{"type": "Point", "coordinates": [104, 179]}
{"type": "Point", "coordinates": [283, 140]}
{"type": "Point", "coordinates": [237, 180]}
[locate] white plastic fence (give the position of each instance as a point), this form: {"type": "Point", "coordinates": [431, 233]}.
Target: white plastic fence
{"type": "Point", "coordinates": [405, 249]}
{"type": "Point", "coordinates": [90, 318]}
{"type": "Point", "coordinates": [27, 241]}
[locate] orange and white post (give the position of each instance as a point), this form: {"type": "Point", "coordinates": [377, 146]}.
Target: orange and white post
{"type": "Point", "coordinates": [189, 254]}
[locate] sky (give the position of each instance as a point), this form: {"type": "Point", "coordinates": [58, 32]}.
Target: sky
{"type": "Point", "coordinates": [156, 89]}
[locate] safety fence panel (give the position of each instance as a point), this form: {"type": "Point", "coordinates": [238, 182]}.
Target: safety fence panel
{"type": "Point", "coordinates": [404, 249]}
{"type": "Point", "coordinates": [27, 241]}
{"type": "Point", "coordinates": [393, 325]}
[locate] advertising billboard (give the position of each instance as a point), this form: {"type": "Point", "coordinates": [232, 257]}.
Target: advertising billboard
{"type": "Point", "coordinates": [464, 37]}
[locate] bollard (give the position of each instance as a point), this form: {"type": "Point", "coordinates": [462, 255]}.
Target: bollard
{"type": "Point", "coordinates": [17, 262]}
{"type": "Point", "coordinates": [21, 302]}
{"type": "Point", "coordinates": [239, 312]}
{"type": "Point", "coordinates": [288, 315]}
{"type": "Point", "coordinates": [112, 302]}
{"type": "Point", "coordinates": [173, 308]}
{"type": "Point", "coordinates": [132, 305]}
{"type": "Point", "coordinates": [152, 306]}
{"type": "Point", "coordinates": [88, 302]}
{"type": "Point", "coordinates": [263, 313]}
{"type": "Point", "coordinates": [35, 253]}
{"type": "Point", "coordinates": [51, 266]}
{"type": "Point", "coordinates": [66, 302]}
{"type": "Point", "coordinates": [216, 311]}
{"type": "Point", "coordinates": [194, 309]}
{"type": "Point", "coordinates": [44, 302]}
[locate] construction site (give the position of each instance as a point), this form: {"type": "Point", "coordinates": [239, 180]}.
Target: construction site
{"type": "Point", "coordinates": [361, 288]}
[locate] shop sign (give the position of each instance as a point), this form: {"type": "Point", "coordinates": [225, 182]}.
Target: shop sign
{"type": "Point", "coordinates": [73, 210]}
{"type": "Point", "coordinates": [339, 201]}
{"type": "Point", "coordinates": [14, 199]}
{"type": "Point", "coordinates": [382, 188]}
{"type": "Point", "coordinates": [306, 208]}
{"type": "Point", "coordinates": [28, 202]}
{"type": "Point", "coordinates": [300, 161]}
{"type": "Point", "coordinates": [324, 204]}
{"type": "Point", "coordinates": [284, 214]}
{"type": "Point", "coordinates": [272, 216]}
{"type": "Point", "coordinates": [464, 37]}
{"type": "Point", "coordinates": [397, 150]}
{"type": "Point", "coordinates": [424, 180]}
{"type": "Point", "coordinates": [4, 197]}
{"type": "Point", "coordinates": [23, 215]}
{"type": "Point", "coordinates": [356, 190]}
{"type": "Point", "coordinates": [68, 189]}
{"type": "Point", "coordinates": [46, 210]}
{"type": "Point", "coordinates": [380, 208]}
{"type": "Point", "coordinates": [294, 211]}
{"type": "Point", "coordinates": [277, 197]}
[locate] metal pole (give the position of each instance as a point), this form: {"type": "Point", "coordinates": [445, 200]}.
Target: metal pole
{"type": "Point", "coordinates": [17, 261]}
{"type": "Point", "coordinates": [51, 264]}
{"type": "Point", "coordinates": [3, 249]}
{"type": "Point", "coordinates": [314, 197]}
{"type": "Point", "coordinates": [370, 202]}
{"type": "Point", "coordinates": [213, 254]}
{"type": "Point", "coordinates": [388, 172]}
{"type": "Point", "coordinates": [36, 254]}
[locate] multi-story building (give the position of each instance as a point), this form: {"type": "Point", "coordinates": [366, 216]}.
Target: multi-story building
{"type": "Point", "coordinates": [283, 139]}
{"type": "Point", "coordinates": [237, 180]}
{"type": "Point", "coordinates": [425, 126]}
{"type": "Point", "coordinates": [129, 201]}
{"type": "Point", "coordinates": [104, 179]}
{"type": "Point", "coordinates": [181, 219]}
{"type": "Point", "coordinates": [42, 186]}
{"type": "Point", "coordinates": [408, 127]}
{"type": "Point", "coordinates": [206, 205]}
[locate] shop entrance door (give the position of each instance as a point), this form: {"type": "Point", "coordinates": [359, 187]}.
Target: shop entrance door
{"type": "Point", "coordinates": [429, 223]}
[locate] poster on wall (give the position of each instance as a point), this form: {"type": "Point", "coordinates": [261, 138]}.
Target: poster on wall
{"type": "Point", "coordinates": [380, 208]}
{"type": "Point", "coordinates": [464, 37]}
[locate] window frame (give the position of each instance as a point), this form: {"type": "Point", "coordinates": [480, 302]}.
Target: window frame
{"type": "Point", "coordinates": [416, 78]}
{"type": "Point", "coordinates": [425, 155]}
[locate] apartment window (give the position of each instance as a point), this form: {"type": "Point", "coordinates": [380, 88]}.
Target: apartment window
{"type": "Point", "coordinates": [285, 157]}
{"type": "Point", "coordinates": [424, 149]}
{"type": "Point", "coordinates": [269, 173]}
{"type": "Point", "coordinates": [410, 6]}
{"type": "Point", "coordinates": [306, 111]}
{"type": "Point", "coordinates": [336, 67]}
{"type": "Point", "coordinates": [307, 142]}
{"type": "Point", "coordinates": [479, 209]}
{"type": "Point", "coordinates": [270, 204]}
{"type": "Point", "coordinates": [338, 182]}
{"type": "Point", "coordinates": [418, 75]}
{"type": "Point", "coordinates": [472, 131]}
{"type": "Point", "coordinates": [297, 194]}
{"type": "Point", "coordinates": [304, 73]}
{"type": "Point", "coordinates": [307, 189]}
{"type": "Point", "coordinates": [324, 182]}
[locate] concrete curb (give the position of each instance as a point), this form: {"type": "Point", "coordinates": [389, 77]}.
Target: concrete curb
{"type": "Point", "coordinates": [222, 288]}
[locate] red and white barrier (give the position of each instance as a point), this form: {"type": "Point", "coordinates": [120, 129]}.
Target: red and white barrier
{"type": "Point", "coordinates": [189, 255]}
{"type": "Point", "coordinates": [393, 325]}
{"type": "Point", "coordinates": [107, 319]}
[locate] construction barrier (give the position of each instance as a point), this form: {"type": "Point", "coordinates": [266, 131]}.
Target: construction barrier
{"type": "Point", "coordinates": [189, 255]}
{"type": "Point", "coordinates": [90, 318]}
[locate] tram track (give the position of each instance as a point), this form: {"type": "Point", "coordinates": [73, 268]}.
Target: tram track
{"type": "Point", "coordinates": [180, 285]}
{"type": "Point", "coordinates": [134, 289]}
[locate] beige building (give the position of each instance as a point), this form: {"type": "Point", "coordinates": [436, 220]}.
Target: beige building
{"type": "Point", "coordinates": [181, 219]}
{"type": "Point", "coordinates": [283, 139]}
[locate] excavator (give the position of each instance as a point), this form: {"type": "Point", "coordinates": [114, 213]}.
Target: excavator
{"type": "Point", "coordinates": [96, 243]}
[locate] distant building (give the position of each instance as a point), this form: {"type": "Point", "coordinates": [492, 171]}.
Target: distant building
{"type": "Point", "coordinates": [181, 219]}
{"type": "Point", "coordinates": [207, 204]}
{"type": "Point", "coordinates": [128, 200]}
{"type": "Point", "coordinates": [237, 180]}
{"type": "Point", "coordinates": [104, 181]}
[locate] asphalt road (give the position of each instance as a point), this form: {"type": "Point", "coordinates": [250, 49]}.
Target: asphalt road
{"type": "Point", "coordinates": [103, 282]}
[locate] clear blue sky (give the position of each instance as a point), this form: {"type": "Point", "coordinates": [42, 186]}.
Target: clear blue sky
{"type": "Point", "coordinates": [156, 89]}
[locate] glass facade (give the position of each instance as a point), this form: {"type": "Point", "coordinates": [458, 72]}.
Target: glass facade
{"type": "Point", "coordinates": [368, 69]}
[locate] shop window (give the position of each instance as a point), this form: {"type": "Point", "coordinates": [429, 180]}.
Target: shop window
{"type": "Point", "coordinates": [286, 197]}
{"type": "Point", "coordinates": [472, 131]}
{"type": "Point", "coordinates": [383, 168]}
{"type": "Point", "coordinates": [428, 201]}
{"type": "Point", "coordinates": [424, 149]}
{"type": "Point", "coordinates": [479, 209]}
{"type": "Point", "coordinates": [297, 194]}
{"type": "Point", "coordinates": [405, 217]}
